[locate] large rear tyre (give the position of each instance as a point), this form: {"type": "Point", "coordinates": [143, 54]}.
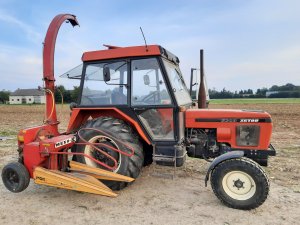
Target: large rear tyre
{"type": "Point", "coordinates": [15, 177]}
{"type": "Point", "coordinates": [117, 130]}
{"type": "Point", "coordinates": [240, 183]}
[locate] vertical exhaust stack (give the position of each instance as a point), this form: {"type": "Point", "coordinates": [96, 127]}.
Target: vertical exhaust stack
{"type": "Point", "coordinates": [202, 91]}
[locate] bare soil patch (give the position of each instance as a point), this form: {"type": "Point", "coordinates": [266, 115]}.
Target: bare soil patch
{"type": "Point", "coordinates": [152, 200]}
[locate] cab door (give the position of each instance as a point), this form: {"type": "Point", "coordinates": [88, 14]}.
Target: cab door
{"type": "Point", "coordinates": [151, 100]}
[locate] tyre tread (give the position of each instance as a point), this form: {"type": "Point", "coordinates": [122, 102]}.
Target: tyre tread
{"type": "Point", "coordinates": [259, 172]}
{"type": "Point", "coordinates": [121, 130]}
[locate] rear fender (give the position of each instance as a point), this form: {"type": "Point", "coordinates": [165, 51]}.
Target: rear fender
{"type": "Point", "coordinates": [221, 158]}
{"type": "Point", "coordinates": [80, 115]}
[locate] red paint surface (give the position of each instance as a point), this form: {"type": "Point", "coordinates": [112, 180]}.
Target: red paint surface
{"type": "Point", "coordinates": [226, 131]}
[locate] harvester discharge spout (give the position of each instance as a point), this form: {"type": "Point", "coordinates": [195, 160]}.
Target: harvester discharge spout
{"type": "Point", "coordinates": [48, 64]}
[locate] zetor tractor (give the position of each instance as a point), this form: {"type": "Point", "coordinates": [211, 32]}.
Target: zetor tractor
{"type": "Point", "coordinates": [134, 108]}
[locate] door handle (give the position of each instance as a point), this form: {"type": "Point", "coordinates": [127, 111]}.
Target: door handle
{"type": "Point", "coordinates": [139, 109]}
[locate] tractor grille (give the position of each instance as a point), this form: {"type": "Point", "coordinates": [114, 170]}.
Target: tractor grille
{"type": "Point", "coordinates": [247, 135]}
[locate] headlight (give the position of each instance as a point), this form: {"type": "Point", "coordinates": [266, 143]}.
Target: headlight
{"type": "Point", "coordinates": [247, 135]}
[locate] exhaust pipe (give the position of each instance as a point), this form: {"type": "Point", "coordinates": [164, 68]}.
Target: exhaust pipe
{"type": "Point", "coordinates": [202, 91]}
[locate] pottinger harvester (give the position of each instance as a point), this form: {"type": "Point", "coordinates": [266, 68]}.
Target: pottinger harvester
{"type": "Point", "coordinates": [134, 108]}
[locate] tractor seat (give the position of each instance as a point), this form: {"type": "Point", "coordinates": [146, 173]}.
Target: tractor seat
{"type": "Point", "coordinates": [118, 97]}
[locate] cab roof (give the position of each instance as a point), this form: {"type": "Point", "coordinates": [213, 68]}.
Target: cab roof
{"type": "Point", "coordinates": [114, 52]}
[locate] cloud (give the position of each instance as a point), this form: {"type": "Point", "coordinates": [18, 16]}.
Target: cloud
{"type": "Point", "coordinates": [28, 30]}
{"type": "Point", "coordinates": [277, 66]}
{"type": "Point", "coordinates": [20, 68]}
{"type": "Point", "coordinates": [247, 44]}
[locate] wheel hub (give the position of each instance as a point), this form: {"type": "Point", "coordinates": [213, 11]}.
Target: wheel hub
{"type": "Point", "coordinates": [13, 177]}
{"type": "Point", "coordinates": [89, 150]}
{"type": "Point", "coordinates": [239, 185]}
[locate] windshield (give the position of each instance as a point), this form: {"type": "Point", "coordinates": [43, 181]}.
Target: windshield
{"type": "Point", "coordinates": [74, 73]}
{"type": "Point", "coordinates": [180, 91]}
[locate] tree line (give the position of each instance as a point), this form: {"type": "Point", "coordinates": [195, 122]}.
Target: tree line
{"type": "Point", "coordinates": [285, 91]}
{"type": "Point", "coordinates": [67, 95]}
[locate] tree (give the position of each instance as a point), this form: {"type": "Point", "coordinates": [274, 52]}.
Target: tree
{"type": "Point", "coordinates": [62, 92]}
{"type": "Point", "coordinates": [261, 91]}
{"type": "Point", "coordinates": [274, 88]}
{"type": "Point", "coordinates": [75, 94]}
{"type": "Point", "coordinates": [4, 96]}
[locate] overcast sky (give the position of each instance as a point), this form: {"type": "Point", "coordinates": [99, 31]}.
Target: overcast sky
{"type": "Point", "coordinates": [247, 44]}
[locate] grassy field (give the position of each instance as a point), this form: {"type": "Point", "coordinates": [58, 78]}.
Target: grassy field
{"type": "Point", "coordinates": [256, 101]}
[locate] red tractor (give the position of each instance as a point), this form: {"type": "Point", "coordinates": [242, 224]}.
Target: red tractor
{"type": "Point", "coordinates": [134, 108]}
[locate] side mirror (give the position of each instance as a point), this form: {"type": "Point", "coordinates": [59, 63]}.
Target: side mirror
{"type": "Point", "coordinates": [73, 105]}
{"type": "Point", "coordinates": [146, 80]}
{"type": "Point", "coordinates": [106, 74]}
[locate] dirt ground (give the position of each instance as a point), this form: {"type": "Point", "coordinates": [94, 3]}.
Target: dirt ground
{"type": "Point", "coordinates": [153, 200]}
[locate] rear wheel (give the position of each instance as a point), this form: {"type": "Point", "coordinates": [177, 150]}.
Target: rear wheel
{"type": "Point", "coordinates": [240, 183]}
{"type": "Point", "coordinates": [15, 177]}
{"type": "Point", "coordinates": [118, 130]}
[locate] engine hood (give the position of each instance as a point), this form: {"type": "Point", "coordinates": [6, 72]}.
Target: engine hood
{"type": "Point", "coordinates": [229, 123]}
{"type": "Point", "coordinates": [225, 115]}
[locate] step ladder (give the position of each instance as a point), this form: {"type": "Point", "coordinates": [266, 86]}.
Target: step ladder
{"type": "Point", "coordinates": [160, 170]}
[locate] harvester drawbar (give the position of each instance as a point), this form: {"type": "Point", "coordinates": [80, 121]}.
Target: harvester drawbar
{"type": "Point", "coordinates": [134, 109]}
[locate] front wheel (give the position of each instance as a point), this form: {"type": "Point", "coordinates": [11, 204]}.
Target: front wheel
{"type": "Point", "coordinates": [240, 183]}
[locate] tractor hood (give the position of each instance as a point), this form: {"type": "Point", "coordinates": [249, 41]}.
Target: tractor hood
{"type": "Point", "coordinates": [234, 126]}
{"type": "Point", "coordinates": [225, 116]}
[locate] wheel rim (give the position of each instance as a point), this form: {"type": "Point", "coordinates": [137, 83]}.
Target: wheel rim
{"type": "Point", "coordinates": [12, 179]}
{"type": "Point", "coordinates": [90, 151]}
{"type": "Point", "coordinates": [239, 185]}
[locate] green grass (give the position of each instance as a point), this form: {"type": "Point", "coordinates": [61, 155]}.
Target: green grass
{"type": "Point", "coordinates": [256, 101]}
{"type": "Point", "coordinates": [8, 133]}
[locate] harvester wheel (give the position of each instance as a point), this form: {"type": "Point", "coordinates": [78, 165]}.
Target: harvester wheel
{"type": "Point", "coordinates": [119, 130]}
{"type": "Point", "coordinates": [240, 183]}
{"type": "Point", "coordinates": [15, 177]}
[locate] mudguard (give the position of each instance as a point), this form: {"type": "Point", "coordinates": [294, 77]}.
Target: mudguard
{"type": "Point", "coordinates": [221, 158]}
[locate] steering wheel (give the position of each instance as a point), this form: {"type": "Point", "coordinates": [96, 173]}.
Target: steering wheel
{"type": "Point", "coordinates": [148, 97]}
{"type": "Point", "coordinates": [88, 100]}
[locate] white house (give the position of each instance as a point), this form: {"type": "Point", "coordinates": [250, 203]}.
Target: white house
{"type": "Point", "coordinates": [268, 93]}
{"type": "Point", "coordinates": [27, 96]}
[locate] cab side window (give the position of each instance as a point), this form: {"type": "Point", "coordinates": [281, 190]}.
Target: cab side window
{"type": "Point", "coordinates": [98, 92]}
{"type": "Point", "coordinates": [148, 85]}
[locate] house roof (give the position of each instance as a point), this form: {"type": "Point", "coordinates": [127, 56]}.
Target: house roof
{"type": "Point", "coordinates": [27, 92]}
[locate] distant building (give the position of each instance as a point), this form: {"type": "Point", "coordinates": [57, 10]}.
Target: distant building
{"type": "Point", "coordinates": [268, 93]}
{"type": "Point", "coordinates": [27, 96]}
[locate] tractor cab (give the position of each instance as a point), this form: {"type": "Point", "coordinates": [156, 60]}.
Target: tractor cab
{"type": "Point", "coordinates": [144, 83]}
